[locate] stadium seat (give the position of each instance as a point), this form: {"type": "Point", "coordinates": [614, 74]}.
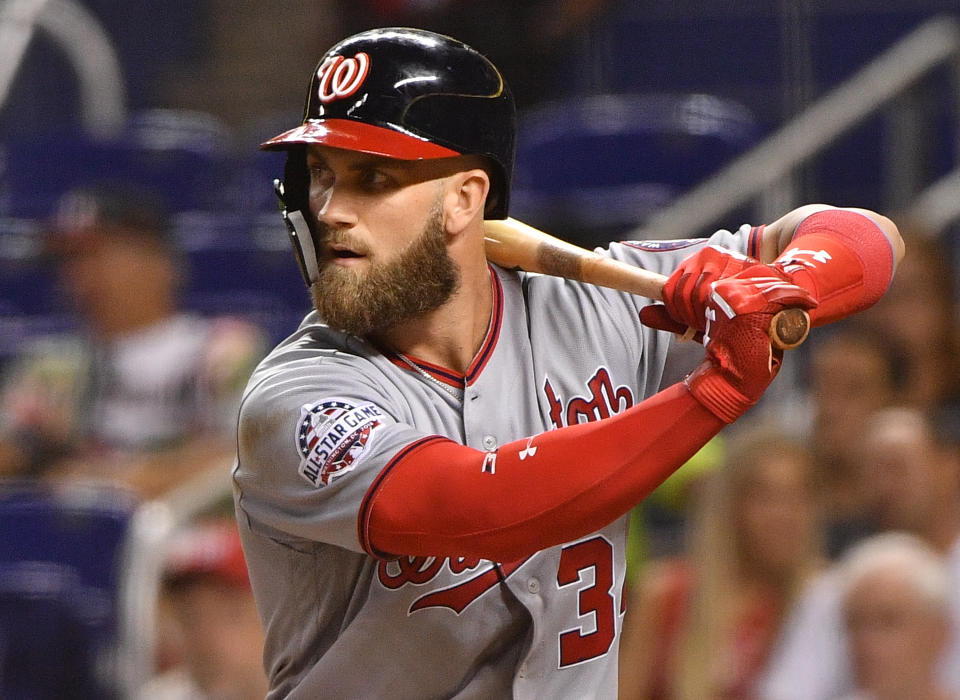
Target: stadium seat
{"type": "Point", "coordinates": [595, 166]}
{"type": "Point", "coordinates": [186, 156]}
{"type": "Point", "coordinates": [60, 558]}
{"type": "Point", "coordinates": [241, 264]}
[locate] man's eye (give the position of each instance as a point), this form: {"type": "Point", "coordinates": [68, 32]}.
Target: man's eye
{"type": "Point", "coordinates": [321, 178]}
{"type": "Point", "coordinates": [318, 173]}
{"type": "Point", "coordinates": [375, 179]}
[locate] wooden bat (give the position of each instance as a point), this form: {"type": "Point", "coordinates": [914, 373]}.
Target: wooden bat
{"type": "Point", "coordinates": [514, 244]}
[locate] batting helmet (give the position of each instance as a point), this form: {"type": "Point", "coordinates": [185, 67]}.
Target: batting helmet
{"type": "Point", "coordinates": [400, 93]}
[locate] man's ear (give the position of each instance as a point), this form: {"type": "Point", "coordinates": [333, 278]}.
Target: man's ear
{"type": "Point", "coordinates": [466, 198]}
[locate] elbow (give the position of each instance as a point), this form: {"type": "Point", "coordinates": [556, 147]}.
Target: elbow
{"type": "Point", "coordinates": [896, 240]}
{"type": "Point", "coordinates": [890, 230]}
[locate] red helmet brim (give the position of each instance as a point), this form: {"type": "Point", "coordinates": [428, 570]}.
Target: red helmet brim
{"type": "Point", "coordinates": [359, 136]}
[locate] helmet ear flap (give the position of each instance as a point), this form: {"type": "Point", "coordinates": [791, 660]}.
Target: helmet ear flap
{"type": "Point", "coordinates": [296, 180]}
{"type": "Point", "coordinates": [294, 195]}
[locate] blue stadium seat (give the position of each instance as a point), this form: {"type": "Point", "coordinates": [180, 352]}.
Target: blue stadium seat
{"type": "Point", "coordinates": [262, 167]}
{"type": "Point", "coordinates": [599, 165]}
{"type": "Point", "coordinates": [763, 53]}
{"type": "Point", "coordinates": [242, 264]}
{"type": "Point", "coordinates": [186, 156]}
{"type": "Point", "coordinates": [59, 576]}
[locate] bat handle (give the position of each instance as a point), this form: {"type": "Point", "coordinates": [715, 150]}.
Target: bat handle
{"type": "Point", "coordinates": [789, 328]}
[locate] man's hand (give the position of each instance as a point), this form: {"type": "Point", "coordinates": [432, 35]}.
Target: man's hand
{"type": "Point", "coordinates": [741, 362]}
{"type": "Point", "coordinates": [687, 289]}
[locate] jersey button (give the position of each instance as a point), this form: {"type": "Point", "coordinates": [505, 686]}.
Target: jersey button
{"type": "Point", "coordinates": [489, 442]}
{"type": "Point", "coordinates": [533, 585]}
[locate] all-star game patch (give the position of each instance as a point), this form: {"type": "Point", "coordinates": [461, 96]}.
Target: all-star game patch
{"type": "Point", "coordinates": [331, 436]}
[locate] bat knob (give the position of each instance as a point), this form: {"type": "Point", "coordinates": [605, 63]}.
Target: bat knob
{"type": "Point", "coordinates": [789, 328]}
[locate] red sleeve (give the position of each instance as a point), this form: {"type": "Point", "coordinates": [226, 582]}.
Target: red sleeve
{"type": "Point", "coordinates": [841, 257]}
{"type": "Point", "coordinates": [440, 498]}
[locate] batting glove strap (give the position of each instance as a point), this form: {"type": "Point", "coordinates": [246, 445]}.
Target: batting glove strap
{"type": "Point", "coordinates": [708, 386]}
{"type": "Point", "coordinates": [741, 362]}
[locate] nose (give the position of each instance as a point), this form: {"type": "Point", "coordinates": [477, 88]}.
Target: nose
{"type": "Point", "coordinates": [332, 206]}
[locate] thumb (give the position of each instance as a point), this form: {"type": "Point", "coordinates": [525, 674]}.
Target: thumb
{"type": "Point", "coordinates": [656, 316]}
{"type": "Point", "coordinates": [792, 295]}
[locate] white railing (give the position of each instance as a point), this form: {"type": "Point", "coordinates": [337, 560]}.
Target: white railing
{"type": "Point", "coordinates": [938, 206]}
{"type": "Point", "coordinates": [153, 524]}
{"type": "Point", "coordinates": [759, 174]}
{"type": "Point", "coordinates": [81, 36]}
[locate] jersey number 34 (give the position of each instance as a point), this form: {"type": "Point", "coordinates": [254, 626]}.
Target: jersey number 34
{"type": "Point", "coordinates": [595, 600]}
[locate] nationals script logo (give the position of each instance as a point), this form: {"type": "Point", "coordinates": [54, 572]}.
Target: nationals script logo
{"type": "Point", "coordinates": [422, 570]}
{"type": "Point", "coordinates": [604, 401]}
{"type": "Point", "coordinates": [340, 77]}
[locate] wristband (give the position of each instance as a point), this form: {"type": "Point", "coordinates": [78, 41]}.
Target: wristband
{"type": "Point", "coordinates": [716, 394]}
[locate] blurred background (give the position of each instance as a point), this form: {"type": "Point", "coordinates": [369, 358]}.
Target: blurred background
{"type": "Point", "coordinates": [139, 231]}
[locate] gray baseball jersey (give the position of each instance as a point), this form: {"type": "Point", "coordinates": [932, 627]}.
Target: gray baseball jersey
{"type": "Point", "coordinates": [324, 413]}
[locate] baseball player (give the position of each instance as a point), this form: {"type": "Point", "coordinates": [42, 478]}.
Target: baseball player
{"type": "Point", "coordinates": [434, 469]}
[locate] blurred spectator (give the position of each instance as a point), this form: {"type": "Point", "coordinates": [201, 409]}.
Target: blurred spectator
{"type": "Point", "coordinates": [144, 394]}
{"type": "Point", "coordinates": [918, 316]}
{"type": "Point", "coordinates": [896, 608]}
{"type": "Point", "coordinates": [701, 627]}
{"type": "Point", "coordinates": [658, 524]}
{"type": "Point", "coordinates": [852, 374]}
{"type": "Point", "coordinates": [918, 473]}
{"type": "Point", "coordinates": [213, 638]}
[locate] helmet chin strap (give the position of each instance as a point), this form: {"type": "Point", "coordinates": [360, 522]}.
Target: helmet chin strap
{"type": "Point", "coordinates": [303, 239]}
{"type": "Point", "coordinates": [300, 236]}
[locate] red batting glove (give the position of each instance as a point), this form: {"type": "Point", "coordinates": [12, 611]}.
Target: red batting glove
{"type": "Point", "coordinates": [741, 362]}
{"type": "Point", "coordinates": [687, 289]}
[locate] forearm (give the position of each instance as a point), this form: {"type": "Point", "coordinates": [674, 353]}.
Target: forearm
{"type": "Point", "coordinates": [844, 257]}
{"type": "Point", "coordinates": [445, 499]}
{"type": "Point", "coordinates": [778, 235]}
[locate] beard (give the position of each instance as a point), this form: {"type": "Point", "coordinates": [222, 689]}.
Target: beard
{"type": "Point", "coordinates": [421, 279]}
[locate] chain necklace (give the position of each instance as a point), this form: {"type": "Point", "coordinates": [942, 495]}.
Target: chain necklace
{"type": "Point", "coordinates": [455, 393]}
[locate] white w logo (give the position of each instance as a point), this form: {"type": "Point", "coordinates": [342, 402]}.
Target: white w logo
{"type": "Point", "coordinates": [341, 77]}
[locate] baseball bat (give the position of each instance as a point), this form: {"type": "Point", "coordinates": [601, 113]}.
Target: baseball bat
{"type": "Point", "coordinates": [514, 244]}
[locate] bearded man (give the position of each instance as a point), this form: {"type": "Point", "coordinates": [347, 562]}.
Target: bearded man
{"type": "Point", "coordinates": [434, 470]}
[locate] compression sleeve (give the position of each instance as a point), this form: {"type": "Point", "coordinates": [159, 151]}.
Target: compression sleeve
{"type": "Point", "coordinates": [440, 498]}
{"type": "Point", "coordinates": [843, 259]}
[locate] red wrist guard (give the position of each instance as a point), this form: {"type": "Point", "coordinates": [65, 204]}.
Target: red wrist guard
{"type": "Point", "coordinates": [843, 259]}
{"type": "Point", "coordinates": [715, 392]}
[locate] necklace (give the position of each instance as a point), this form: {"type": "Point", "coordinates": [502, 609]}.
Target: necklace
{"type": "Point", "coordinates": [455, 393]}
